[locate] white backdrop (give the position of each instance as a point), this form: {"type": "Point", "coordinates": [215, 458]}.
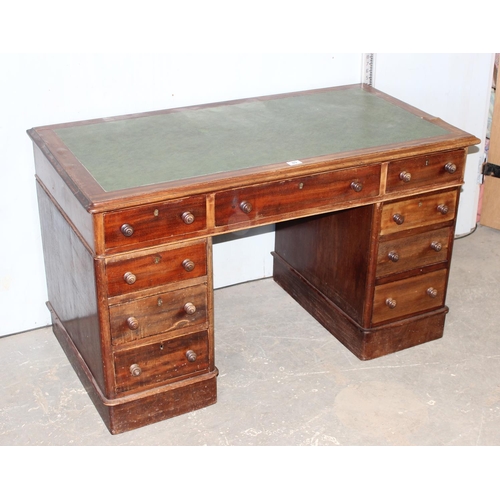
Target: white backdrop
{"type": "Point", "coordinates": [43, 89]}
{"type": "Point", "coordinates": [454, 87]}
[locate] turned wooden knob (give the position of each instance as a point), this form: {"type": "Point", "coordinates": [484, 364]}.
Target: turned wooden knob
{"type": "Point", "coordinates": [135, 370]}
{"type": "Point", "coordinates": [129, 278]}
{"type": "Point", "coordinates": [451, 168]}
{"type": "Point", "coordinates": [188, 265]}
{"type": "Point", "coordinates": [190, 308]}
{"type": "Point", "coordinates": [398, 219]}
{"type": "Point", "coordinates": [405, 176]}
{"type": "Point", "coordinates": [356, 186]}
{"type": "Point", "coordinates": [246, 207]}
{"type": "Point", "coordinates": [132, 323]}
{"type": "Point", "coordinates": [127, 230]}
{"type": "Point", "coordinates": [191, 356]}
{"type": "Point", "coordinates": [435, 245]}
{"type": "Point", "coordinates": [393, 256]}
{"type": "Point", "coordinates": [442, 209]}
{"type": "Point", "coordinates": [187, 218]}
{"type": "Point", "coordinates": [390, 303]}
{"type": "Point", "coordinates": [432, 292]}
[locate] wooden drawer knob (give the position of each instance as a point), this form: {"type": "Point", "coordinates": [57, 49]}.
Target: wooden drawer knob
{"type": "Point", "coordinates": [129, 278]}
{"type": "Point", "coordinates": [442, 209]}
{"type": "Point", "coordinates": [132, 323]}
{"type": "Point", "coordinates": [405, 176]}
{"type": "Point", "coordinates": [246, 207]}
{"type": "Point", "coordinates": [432, 292]}
{"type": "Point", "coordinates": [393, 256]}
{"type": "Point", "coordinates": [187, 218]}
{"type": "Point", "coordinates": [127, 230]}
{"type": "Point", "coordinates": [398, 219]}
{"type": "Point", "coordinates": [451, 168]}
{"type": "Point", "coordinates": [435, 245]}
{"type": "Point", "coordinates": [190, 308]}
{"type": "Point", "coordinates": [356, 186]}
{"type": "Point", "coordinates": [191, 356]}
{"type": "Point", "coordinates": [135, 370]}
{"type": "Point", "coordinates": [188, 265]}
{"type": "Point", "coordinates": [390, 303]}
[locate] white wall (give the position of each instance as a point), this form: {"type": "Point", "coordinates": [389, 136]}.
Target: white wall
{"type": "Point", "coordinates": [44, 89]}
{"type": "Point", "coordinates": [55, 88]}
{"type": "Point", "coordinates": [454, 87]}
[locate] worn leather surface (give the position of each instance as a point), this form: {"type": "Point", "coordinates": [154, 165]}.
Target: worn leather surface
{"type": "Point", "coordinates": [170, 146]}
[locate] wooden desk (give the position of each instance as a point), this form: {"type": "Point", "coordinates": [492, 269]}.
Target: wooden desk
{"type": "Point", "coordinates": [364, 190]}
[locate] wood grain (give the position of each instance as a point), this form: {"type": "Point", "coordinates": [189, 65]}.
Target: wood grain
{"type": "Point", "coordinates": [159, 314]}
{"type": "Point", "coordinates": [155, 268]}
{"type": "Point", "coordinates": [161, 361]}
{"type": "Point", "coordinates": [418, 211]}
{"type": "Point", "coordinates": [137, 323]}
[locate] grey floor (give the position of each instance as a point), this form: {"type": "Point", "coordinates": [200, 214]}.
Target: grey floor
{"type": "Point", "coordinates": [285, 381]}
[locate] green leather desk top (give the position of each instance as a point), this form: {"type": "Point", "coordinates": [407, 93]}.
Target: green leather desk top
{"type": "Point", "coordinates": [186, 143]}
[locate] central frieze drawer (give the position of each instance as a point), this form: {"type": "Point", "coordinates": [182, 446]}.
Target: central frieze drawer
{"type": "Point", "coordinates": [269, 201]}
{"type": "Point", "coordinates": [161, 313]}
{"type": "Point", "coordinates": [419, 211]}
{"type": "Point", "coordinates": [159, 221]}
{"type": "Point", "coordinates": [155, 268]}
{"type": "Point", "coordinates": [417, 250]}
{"type": "Point", "coordinates": [442, 168]}
{"type": "Point", "coordinates": [402, 298]}
{"type": "Point", "coordinates": [155, 363]}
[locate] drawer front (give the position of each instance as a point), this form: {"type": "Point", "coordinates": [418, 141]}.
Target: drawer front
{"type": "Point", "coordinates": [153, 364]}
{"type": "Point", "coordinates": [158, 268]}
{"type": "Point", "coordinates": [161, 313]}
{"type": "Point", "coordinates": [419, 250]}
{"type": "Point", "coordinates": [149, 223]}
{"type": "Point", "coordinates": [409, 296]}
{"type": "Point", "coordinates": [441, 168]}
{"type": "Point", "coordinates": [418, 211]}
{"type": "Point", "coordinates": [274, 200]}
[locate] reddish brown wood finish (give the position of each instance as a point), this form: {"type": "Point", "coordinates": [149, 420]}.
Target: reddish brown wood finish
{"type": "Point", "coordinates": [161, 361]}
{"type": "Point", "coordinates": [347, 272]}
{"type": "Point", "coordinates": [297, 194]}
{"type": "Point", "coordinates": [159, 314]}
{"type": "Point", "coordinates": [341, 268]}
{"type": "Point", "coordinates": [95, 199]}
{"type": "Point", "coordinates": [410, 296]}
{"type": "Point", "coordinates": [69, 268]}
{"type": "Point", "coordinates": [419, 211]}
{"type": "Point", "coordinates": [156, 268]}
{"type": "Point", "coordinates": [125, 413]}
{"type": "Point", "coordinates": [154, 223]}
{"type": "Point", "coordinates": [414, 251]}
{"type": "Point", "coordinates": [141, 351]}
{"type": "Point", "coordinates": [365, 343]}
{"type": "Point", "coordinates": [426, 171]}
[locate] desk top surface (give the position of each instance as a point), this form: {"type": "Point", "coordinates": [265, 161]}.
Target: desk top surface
{"type": "Point", "coordinates": [288, 129]}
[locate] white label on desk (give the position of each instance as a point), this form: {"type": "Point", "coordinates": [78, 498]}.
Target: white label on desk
{"type": "Point", "coordinates": [294, 162]}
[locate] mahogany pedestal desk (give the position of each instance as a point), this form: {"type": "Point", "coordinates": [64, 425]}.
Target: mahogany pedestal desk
{"type": "Point", "coordinates": [363, 190]}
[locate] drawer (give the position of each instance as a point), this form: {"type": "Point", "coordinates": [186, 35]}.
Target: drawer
{"type": "Point", "coordinates": [275, 200]}
{"type": "Point", "coordinates": [409, 296]}
{"type": "Point", "coordinates": [155, 363]}
{"type": "Point", "coordinates": [161, 313]}
{"type": "Point", "coordinates": [130, 274]}
{"type": "Point", "coordinates": [419, 211]}
{"type": "Point", "coordinates": [417, 250]}
{"type": "Point", "coordinates": [154, 222]}
{"type": "Point", "coordinates": [441, 168]}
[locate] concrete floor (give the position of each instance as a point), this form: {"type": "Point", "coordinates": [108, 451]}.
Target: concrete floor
{"type": "Point", "coordinates": [285, 381]}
